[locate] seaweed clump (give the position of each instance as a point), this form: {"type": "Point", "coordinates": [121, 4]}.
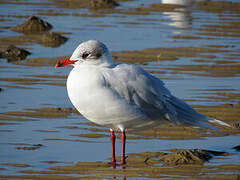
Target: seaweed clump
{"type": "Point", "coordinates": [13, 53]}
{"type": "Point", "coordinates": [102, 4]}
{"type": "Point", "coordinates": [33, 25]}
{"type": "Point", "coordinates": [189, 156]}
{"type": "Point", "coordinates": [52, 39]}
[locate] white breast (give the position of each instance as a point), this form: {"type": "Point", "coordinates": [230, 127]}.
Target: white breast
{"type": "Point", "coordinates": [89, 93]}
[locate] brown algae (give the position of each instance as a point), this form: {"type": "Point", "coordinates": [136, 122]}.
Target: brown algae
{"type": "Point", "coordinates": [31, 148]}
{"type": "Point", "coordinates": [15, 165]}
{"type": "Point", "coordinates": [138, 165]}
{"type": "Point", "coordinates": [42, 113]}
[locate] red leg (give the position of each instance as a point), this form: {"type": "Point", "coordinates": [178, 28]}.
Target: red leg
{"type": "Point", "coordinates": [123, 147]}
{"type": "Point", "coordinates": [113, 147]}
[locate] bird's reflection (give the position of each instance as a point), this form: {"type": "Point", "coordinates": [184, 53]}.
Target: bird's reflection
{"type": "Point", "coordinates": [181, 18]}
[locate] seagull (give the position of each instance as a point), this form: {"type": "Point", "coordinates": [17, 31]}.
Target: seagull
{"type": "Point", "coordinates": [123, 96]}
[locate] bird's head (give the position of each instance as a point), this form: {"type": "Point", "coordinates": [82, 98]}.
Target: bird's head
{"type": "Point", "coordinates": [90, 52]}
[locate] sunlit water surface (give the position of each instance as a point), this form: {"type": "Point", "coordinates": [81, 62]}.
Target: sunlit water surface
{"type": "Point", "coordinates": [152, 31]}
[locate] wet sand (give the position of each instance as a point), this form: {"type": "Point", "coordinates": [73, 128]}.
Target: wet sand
{"type": "Point", "coordinates": [44, 137]}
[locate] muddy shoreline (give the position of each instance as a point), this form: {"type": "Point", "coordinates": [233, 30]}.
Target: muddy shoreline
{"type": "Point", "coordinates": [44, 137]}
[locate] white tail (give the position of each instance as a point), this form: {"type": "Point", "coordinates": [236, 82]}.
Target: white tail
{"type": "Point", "coordinates": [218, 122]}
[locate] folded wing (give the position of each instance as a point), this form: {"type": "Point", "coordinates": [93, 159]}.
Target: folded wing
{"type": "Point", "coordinates": [147, 92]}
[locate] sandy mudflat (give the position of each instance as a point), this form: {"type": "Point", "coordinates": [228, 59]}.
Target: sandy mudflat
{"type": "Point", "coordinates": [193, 48]}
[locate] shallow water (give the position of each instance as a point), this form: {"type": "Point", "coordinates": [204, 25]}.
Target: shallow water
{"type": "Point", "coordinates": [206, 77]}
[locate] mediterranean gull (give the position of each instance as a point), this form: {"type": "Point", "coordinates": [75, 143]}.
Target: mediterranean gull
{"type": "Point", "coordinates": [123, 96]}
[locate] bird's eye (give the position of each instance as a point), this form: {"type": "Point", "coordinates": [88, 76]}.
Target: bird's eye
{"type": "Point", "coordinates": [85, 55]}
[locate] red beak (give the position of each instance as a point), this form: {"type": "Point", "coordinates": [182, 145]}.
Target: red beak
{"type": "Point", "coordinates": [64, 62]}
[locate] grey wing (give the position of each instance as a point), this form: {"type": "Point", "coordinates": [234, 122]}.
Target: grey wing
{"type": "Point", "coordinates": [144, 90]}
{"type": "Point", "coordinates": [151, 96]}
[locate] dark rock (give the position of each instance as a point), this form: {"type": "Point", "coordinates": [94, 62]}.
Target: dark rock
{"type": "Point", "coordinates": [52, 39]}
{"type": "Point", "coordinates": [33, 25]}
{"type": "Point", "coordinates": [189, 156]}
{"type": "Point", "coordinates": [102, 4]}
{"type": "Point", "coordinates": [14, 53]}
